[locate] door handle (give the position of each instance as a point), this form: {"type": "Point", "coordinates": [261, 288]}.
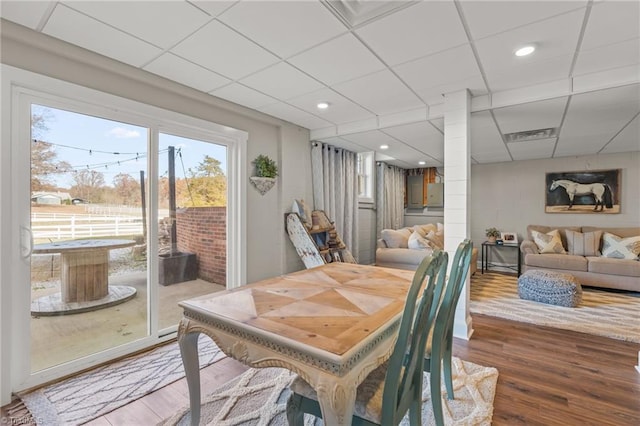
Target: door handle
{"type": "Point", "coordinates": [26, 249]}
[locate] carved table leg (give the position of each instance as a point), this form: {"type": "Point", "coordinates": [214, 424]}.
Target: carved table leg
{"type": "Point", "coordinates": [189, 351]}
{"type": "Point", "coordinates": [337, 401]}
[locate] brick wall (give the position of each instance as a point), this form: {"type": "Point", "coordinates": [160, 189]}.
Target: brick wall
{"type": "Point", "coordinates": [203, 231]}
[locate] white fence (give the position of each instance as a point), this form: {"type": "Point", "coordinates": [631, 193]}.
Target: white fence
{"type": "Point", "coordinates": [58, 226]}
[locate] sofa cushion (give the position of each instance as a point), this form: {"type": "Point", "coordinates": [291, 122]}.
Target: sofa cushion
{"type": "Point", "coordinates": [583, 244]}
{"type": "Point", "coordinates": [400, 256]}
{"type": "Point", "coordinates": [545, 229]}
{"type": "Point", "coordinates": [549, 242]}
{"type": "Point", "coordinates": [615, 247]}
{"type": "Point", "coordinates": [436, 239]}
{"type": "Point", "coordinates": [396, 238]}
{"type": "Point", "coordinates": [424, 229]}
{"type": "Point", "coordinates": [567, 262]}
{"type": "Point", "coordinates": [418, 242]}
{"type": "Point", "coordinates": [621, 232]}
{"type": "Point", "coordinates": [604, 265]}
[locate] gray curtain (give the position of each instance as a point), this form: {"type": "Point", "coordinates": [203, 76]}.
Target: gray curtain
{"type": "Point", "coordinates": [335, 190]}
{"type": "Point", "coordinates": [389, 197]}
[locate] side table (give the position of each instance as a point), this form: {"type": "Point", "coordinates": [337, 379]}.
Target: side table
{"type": "Point", "coordinates": [487, 247]}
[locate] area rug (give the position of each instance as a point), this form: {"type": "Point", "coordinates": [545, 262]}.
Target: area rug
{"type": "Point", "coordinates": [259, 396]}
{"type": "Point", "coordinates": [604, 313]}
{"type": "Point", "coordinates": [94, 393]}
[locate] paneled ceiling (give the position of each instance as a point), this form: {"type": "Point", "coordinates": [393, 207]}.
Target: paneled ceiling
{"type": "Point", "coordinates": [384, 67]}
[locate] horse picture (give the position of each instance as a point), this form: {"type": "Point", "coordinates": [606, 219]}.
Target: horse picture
{"type": "Point", "coordinates": [583, 192]}
{"type": "Point", "coordinates": [600, 192]}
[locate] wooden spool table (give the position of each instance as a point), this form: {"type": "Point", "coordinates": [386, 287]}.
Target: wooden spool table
{"type": "Point", "coordinates": [85, 267]}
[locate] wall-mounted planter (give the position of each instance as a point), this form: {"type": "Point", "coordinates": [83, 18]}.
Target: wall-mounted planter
{"type": "Point", "coordinates": [262, 184]}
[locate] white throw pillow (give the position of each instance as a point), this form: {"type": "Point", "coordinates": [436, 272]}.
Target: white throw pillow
{"type": "Point", "coordinates": [616, 247]}
{"type": "Point", "coordinates": [418, 242]}
{"type": "Point", "coordinates": [549, 242]}
{"type": "Point", "coordinates": [396, 238]}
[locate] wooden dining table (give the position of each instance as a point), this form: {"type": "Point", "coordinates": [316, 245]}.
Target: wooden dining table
{"type": "Point", "coordinates": [332, 325]}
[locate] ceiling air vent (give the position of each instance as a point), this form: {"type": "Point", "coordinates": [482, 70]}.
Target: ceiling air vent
{"type": "Point", "coordinates": [356, 12]}
{"type": "Point", "coordinates": [531, 135]}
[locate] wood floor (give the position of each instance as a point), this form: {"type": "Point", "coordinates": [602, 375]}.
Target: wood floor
{"type": "Point", "coordinates": [547, 377]}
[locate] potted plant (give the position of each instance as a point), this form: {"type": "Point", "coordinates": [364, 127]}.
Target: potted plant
{"type": "Point", "coordinates": [266, 172]}
{"type": "Point", "coordinates": [265, 167]}
{"type": "Point", "coordinates": [492, 234]}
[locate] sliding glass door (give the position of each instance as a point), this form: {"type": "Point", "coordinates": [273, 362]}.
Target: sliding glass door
{"type": "Point", "coordinates": [89, 280]}
{"type": "Point", "coordinates": [102, 192]}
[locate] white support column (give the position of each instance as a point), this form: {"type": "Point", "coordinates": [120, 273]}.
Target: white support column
{"type": "Point", "coordinates": [457, 171]}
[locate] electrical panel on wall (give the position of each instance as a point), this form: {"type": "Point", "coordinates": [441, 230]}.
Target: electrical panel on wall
{"type": "Point", "coordinates": [435, 195]}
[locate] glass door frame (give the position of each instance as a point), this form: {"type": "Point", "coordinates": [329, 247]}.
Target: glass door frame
{"type": "Point", "coordinates": [26, 88]}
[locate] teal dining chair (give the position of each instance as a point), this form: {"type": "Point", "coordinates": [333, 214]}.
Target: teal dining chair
{"type": "Point", "coordinates": [437, 359]}
{"type": "Point", "coordinates": [400, 378]}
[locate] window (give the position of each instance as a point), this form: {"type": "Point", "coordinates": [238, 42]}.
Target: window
{"type": "Point", "coordinates": [366, 177]}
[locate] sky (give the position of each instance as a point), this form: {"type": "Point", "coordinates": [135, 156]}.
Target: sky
{"type": "Point", "coordinates": [111, 147]}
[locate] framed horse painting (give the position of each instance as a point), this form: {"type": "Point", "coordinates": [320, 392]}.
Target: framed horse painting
{"type": "Point", "coordinates": [593, 191]}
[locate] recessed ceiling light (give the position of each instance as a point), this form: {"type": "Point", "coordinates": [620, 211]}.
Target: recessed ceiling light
{"type": "Point", "coordinates": [323, 105]}
{"type": "Point", "coordinates": [384, 146]}
{"type": "Point", "coordinates": [526, 50]}
{"type": "Point", "coordinates": [422, 163]}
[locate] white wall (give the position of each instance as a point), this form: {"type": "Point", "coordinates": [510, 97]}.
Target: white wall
{"type": "Point", "coordinates": [268, 253]}
{"type": "Point", "coordinates": [366, 235]}
{"type": "Point", "coordinates": [510, 196]}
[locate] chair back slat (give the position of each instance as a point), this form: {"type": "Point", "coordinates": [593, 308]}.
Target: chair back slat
{"type": "Point", "coordinates": [446, 313]}
{"type": "Point", "coordinates": [403, 381]}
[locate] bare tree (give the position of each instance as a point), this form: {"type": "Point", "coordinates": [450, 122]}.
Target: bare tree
{"type": "Point", "coordinates": [44, 162]}
{"type": "Point", "coordinates": [127, 189]}
{"type": "Point", "coordinates": [88, 185]}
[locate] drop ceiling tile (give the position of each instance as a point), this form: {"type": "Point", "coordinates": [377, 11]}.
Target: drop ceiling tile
{"type": "Point", "coordinates": [611, 22]}
{"type": "Point", "coordinates": [341, 59]}
{"type": "Point", "coordinates": [380, 92]}
{"type": "Point", "coordinates": [243, 95]}
{"type": "Point", "coordinates": [529, 74]}
{"type": "Point", "coordinates": [594, 118]}
{"type": "Point", "coordinates": [554, 37]}
{"type": "Point", "coordinates": [531, 116]}
{"type": "Point", "coordinates": [283, 27]}
{"type": "Point", "coordinates": [415, 31]}
{"type": "Point", "coordinates": [372, 139]}
{"type": "Point", "coordinates": [439, 123]}
{"type": "Point", "coordinates": [397, 150]}
{"type": "Point", "coordinates": [282, 81]}
{"type": "Point", "coordinates": [438, 69]}
{"type": "Point", "coordinates": [344, 144]}
{"type": "Point", "coordinates": [294, 115]}
{"type": "Point", "coordinates": [224, 51]}
{"type": "Point", "coordinates": [486, 18]}
{"type": "Point", "coordinates": [607, 57]}
{"type": "Point", "coordinates": [435, 95]}
{"type": "Point", "coordinates": [486, 142]}
{"type": "Point", "coordinates": [76, 28]}
{"type": "Point", "coordinates": [175, 68]}
{"type": "Point", "coordinates": [341, 110]}
{"type": "Point", "coordinates": [213, 8]}
{"type": "Point", "coordinates": [532, 150]}
{"type": "Point", "coordinates": [628, 140]}
{"type": "Point", "coordinates": [422, 136]}
{"type": "Point", "coordinates": [28, 14]}
{"type": "Point", "coordinates": [162, 25]}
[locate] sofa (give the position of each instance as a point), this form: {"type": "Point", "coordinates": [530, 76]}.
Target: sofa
{"type": "Point", "coordinates": [392, 249]}
{"type": "Point", "coordinates": [594, 255]}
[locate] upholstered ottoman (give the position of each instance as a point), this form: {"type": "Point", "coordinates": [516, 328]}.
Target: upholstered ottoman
{"type": "Point", "coordinates": [550, 287]}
